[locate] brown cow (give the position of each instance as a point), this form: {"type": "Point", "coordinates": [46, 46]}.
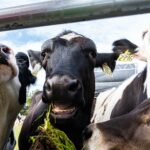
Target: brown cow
{"type": "Point", "coordinates": [127, 132]}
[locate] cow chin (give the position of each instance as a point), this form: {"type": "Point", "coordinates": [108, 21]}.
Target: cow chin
{"type": "Point", "coordinates": [5, 73]}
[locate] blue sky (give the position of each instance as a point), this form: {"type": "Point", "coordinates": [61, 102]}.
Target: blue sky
{"type": "Point", "coordinates": [102, 31]}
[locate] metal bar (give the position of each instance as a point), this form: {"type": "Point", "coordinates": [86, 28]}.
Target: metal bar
{"type": "Point", "coordinates": [65, 11]}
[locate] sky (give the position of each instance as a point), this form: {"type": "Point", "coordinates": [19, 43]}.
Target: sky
{"type": "Point", "coordinates": [103, 31]}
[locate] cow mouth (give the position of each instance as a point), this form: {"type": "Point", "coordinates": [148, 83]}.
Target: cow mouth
{"type": "Point", "coordinates": [61, 111]}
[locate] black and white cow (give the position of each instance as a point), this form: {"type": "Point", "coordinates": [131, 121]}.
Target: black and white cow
{"type": "Point", "coordinates": [136, 87]}
{"type": "Point", "coordinates": [69, 60]}
{"type": "Point", "coordinates": [136, 90]}
{"type": "Point", "coordinates": [14, 78]}
{"type": "Point", "coordinates": [107, 100]}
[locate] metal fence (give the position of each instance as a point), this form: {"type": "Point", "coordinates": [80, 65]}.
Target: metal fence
{"type": "Point", "coordinates": [65, 11]}
{"type": "Point", "coordinates": [121, 72]}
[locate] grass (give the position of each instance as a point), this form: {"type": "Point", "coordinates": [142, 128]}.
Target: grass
{"type": "Point", "coordinates": [17, 129]}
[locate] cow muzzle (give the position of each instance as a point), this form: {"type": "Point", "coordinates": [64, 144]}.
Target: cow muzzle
{"type": "Point", "coordinates": [8, 66]}
{"type": "Point", "coordinates": [64, 93]}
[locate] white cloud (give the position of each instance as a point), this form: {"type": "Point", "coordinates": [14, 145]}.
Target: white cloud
{"type": "Point", "coordinates": [103, 31]}
{"type": "Point", "coordinates": [24, 47]}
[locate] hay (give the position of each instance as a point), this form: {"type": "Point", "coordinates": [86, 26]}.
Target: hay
{"type": "Point", "coordinates": [50, 138]}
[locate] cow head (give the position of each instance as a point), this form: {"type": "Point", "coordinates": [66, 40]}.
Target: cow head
{"type": "Point", "coordinates": [8, 67]}
{"type": "Point", "coordinates": [69, 60]}
{"type": "Point", "coordinates": [142, 52]}
{"type": "Point", "coordinates": [120, 46]}
{"type": "Point", "coordinates": [127, 132]}
{"type": "Point", "coordinates": [14, 78]}
{"type": "Point", "coordinates": [25, 76]}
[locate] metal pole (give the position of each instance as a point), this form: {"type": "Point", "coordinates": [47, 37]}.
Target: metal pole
{"type": "Point", "coordinates": [65, 11]}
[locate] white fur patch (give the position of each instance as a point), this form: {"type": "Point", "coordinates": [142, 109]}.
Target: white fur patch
{"type": "Point", "coordinates": [146, 50]}
{"type": "Point", "coordinates": [91, 143]}
{"type": "Point", "coordinates": [96, 141]}
{"type": "Point", "coordinates": [70, 36]}
{"type": "Point", "coordinates": [36, 69]}
{"type": "Point", "coordinates": [13, 64]}
{"type": "Point", "coordinates": [146, 44]}
{"type": "Point", "coordinates": [147, 81]}
{"type": "Point", "coordinates": [100, 101]}
{"type": "Point", "coordinates": [107, 100]}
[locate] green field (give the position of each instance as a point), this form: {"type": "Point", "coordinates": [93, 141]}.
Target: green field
{"type": "Point", "coordinates": [17, 131]}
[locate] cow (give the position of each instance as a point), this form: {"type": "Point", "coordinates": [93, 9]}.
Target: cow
{"type": "Point", "coordinates": [139, 88]}
{"type": "Point", "coordinates": [127, 132]}
{"type": "Point", "coordinates": [107, 100]}
{"type": "Point", "coordinates": [135, 92]}
{"type": "Point", "coordinates": [117, 101]}
{"type": "Point", "coordinates": [14, 78]}
{"type": "Point", "coordinates": [69, 60]}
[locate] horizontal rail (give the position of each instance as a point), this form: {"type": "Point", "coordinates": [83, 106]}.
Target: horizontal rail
{"type": "Point", "coordinates": [66, 11]}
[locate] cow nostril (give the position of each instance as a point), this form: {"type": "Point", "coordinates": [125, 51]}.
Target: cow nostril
{"type": "Point", "coordinates": [87, 133]}
{"type": "Point", "coordinates": [4, 53]}
{"type": "Point", "coordinates": [5, 50]}
{"type": "Point", "coordinates": [74, 85]}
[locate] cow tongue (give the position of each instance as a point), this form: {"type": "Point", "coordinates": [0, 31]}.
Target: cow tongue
{"type": "Point", "coordinates": [58, 109]}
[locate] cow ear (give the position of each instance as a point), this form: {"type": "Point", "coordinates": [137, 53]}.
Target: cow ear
{"type": "Point", "coordinates": [35, 59]}
{"type": "Point", "coordinates": [128, 50]}
{"type": "Point", "coordinates": [107, 61]}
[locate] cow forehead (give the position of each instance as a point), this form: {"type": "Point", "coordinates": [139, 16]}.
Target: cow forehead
{"type": "Point", "coordinates": [70, 36]}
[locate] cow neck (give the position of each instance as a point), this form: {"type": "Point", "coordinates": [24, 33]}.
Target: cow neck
{"type": "Point", "coordinates": [147, 82]}
{"type": "Point", "coordinates": [8, 103]}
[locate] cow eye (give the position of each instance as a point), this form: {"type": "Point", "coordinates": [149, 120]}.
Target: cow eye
{"type": "Point", "coordinates": [21, 61]}
{"type": "Point", "coordinates": [92, 54]}
{"type": "Point", "coordinates": [6, 50]}
{"type": "Point", "coordinates": [43, 54]}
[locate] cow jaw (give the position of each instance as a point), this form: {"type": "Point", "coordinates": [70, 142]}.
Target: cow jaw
{"type": "Point", "coordinates": [61, 111]}
{"type": "Point", "coordinates": [5, 73]}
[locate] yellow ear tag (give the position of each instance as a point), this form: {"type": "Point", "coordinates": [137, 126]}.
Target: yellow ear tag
{"type": "Point", "coordinates": [126, 56]}
{"type": "Point", "coordinates": [106, 69]}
